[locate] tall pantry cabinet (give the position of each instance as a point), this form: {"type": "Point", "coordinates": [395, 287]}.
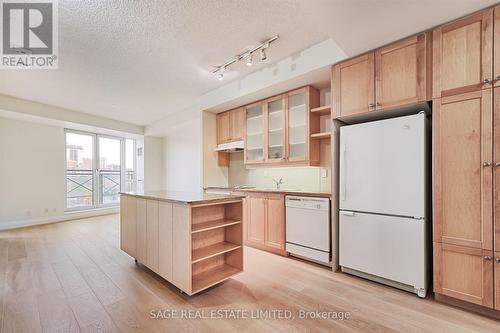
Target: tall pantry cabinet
{"type": "Point", "coordinates": [466, 159]}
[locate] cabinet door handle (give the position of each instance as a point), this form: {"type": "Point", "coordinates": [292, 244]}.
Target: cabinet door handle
{"type": "Point", "coordinates": [488, 258]}
{"type": "Point", "coordinates": [486, 81]}
{"type": "Point", "coordinates": [486, 164]}
{"type": "Point", "coordinates": [497, 78]}
{"type": "Point", "coordinates": [371, 105]}
{"type": "Point", "coordinates": [497, 164]}
{"type": "Point", "coordinates": [497, 260]}
{"type": "Point", "coordinates": [378, 104]}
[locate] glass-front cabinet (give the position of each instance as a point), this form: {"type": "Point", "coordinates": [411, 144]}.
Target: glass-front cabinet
{"type": "Point", "coordinates": [275, 113]}
{"type": "Point", "coordinates": [254, 143]}
{"type": "Point", "coordinates": [298, 126]}
{"type": "Point", "coordinates": [278, 129]}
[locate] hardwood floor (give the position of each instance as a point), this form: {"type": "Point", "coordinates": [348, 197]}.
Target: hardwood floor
{"type": "Point", "coordinates": [72, 277]}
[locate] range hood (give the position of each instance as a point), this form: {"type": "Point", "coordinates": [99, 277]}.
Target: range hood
{"type": "Point", "coordinates": [231, 147]}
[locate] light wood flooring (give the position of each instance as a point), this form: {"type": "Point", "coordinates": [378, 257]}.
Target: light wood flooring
{"type": "Point", "coordinates": [72, 276]}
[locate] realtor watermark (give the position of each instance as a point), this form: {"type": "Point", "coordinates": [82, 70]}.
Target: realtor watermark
{"type": "Point", "coordinates": [29, 37]}
{"type": "Point", "coordinates": [272, 314]}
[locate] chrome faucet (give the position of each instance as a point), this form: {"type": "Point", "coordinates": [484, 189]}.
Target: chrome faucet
{"type": "Point", "coordinates": [278, 182]}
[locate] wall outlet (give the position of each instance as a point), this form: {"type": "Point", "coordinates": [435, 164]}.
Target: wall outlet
{"type": "Point", "coordinates": [324, 172]}
{"type": "Point", "coordinates": [46, 210]}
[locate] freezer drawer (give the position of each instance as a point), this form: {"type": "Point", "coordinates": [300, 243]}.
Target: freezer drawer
{"type": "Point", "coordinates": [385, 246]}
{"type": "Point", "coordinates": [382, 166]}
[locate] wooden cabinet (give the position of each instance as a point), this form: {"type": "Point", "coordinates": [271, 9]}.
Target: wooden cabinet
{"type": "Point", "coordinates": [165, 231]}
{"type": "Point", "coordinates": [230, 126]}
{"type": "Point", "coordinates": [275, 228]}
{"type": "Point", "coordinates": [464, 273]}
{"type": "Point", "coordinates": [278, 130]}
{"type": "Point", "coordinates": [256, 218]}
{"type": "Point", "coordinates": [463, 54]}
{"type": "Point", "coordinates": [496, 273]}
{"type": "Point", "coordinates": [237, 124]}
{"type": "Point", "coordinates": [496, 46]}
{"type": "Point", "coordinates": [223, 128]}
{"type": "Point", "coordinates": [275, 129]}
{"type": "Point", "coordinates": [395, 75]}
{"type": "Point", "coordinates": [152, 230]}
{"type": "Point", "coordinates": [496, 169]}
{"type": "Point", "coordinates": [300, 149]}
{"type": "Point", "coordinates": [193, 246]}
{"type": "Point", "coordinates": [403, 72]}
{"type": "Point", "coordinates": [462, 143]}
{"type": "Point", "coordinates": [266, 222]}
{"type": "Point", "coordinates": [128, 213]}
{"type": "Point", "coordinates": [141, 230]}
{"type": "Point", "coordinates": [353, 86]}
{"type": "Point", "coordinates": [254, 133]}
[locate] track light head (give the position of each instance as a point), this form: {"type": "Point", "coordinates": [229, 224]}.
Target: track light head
{"type": "Point", "coordinates": [220, 76]}
{"type": "Point", "coordinates": [249, 59]}
{"type": "Point", "coordinates": [263, 56]}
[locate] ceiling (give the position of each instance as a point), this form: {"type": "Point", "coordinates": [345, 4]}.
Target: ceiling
{"type": "Point", "coordinates": [140, 61]}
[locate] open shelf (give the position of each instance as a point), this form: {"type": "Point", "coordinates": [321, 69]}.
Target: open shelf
{"type": "Point", "coordinates": [216, 243]}
{"type": "Point", "coordinates": [213, 276]}
{"type": "Point", "coordinates": [213, 250]}
{"type": "Point", "coordinates": [210, 225]}
{"type": "Point", "coordinates": [322, 110]}
{"type": "Point", "coordinates": [324, 135]}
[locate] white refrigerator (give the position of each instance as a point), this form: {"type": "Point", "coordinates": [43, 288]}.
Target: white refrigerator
{"type": "Point", "coordinates": [382, 217]}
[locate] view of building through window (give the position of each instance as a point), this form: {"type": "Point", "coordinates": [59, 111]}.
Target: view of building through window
{"type": "Point", "coordinates": [94, 172]}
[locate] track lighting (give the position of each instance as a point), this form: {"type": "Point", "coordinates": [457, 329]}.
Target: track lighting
{"type": "Point", "coordinates": [245, 56]}
{"type": "Point", "coordinates": [263, 56]}
{"type": "Point", "coordinates": [249, 59]}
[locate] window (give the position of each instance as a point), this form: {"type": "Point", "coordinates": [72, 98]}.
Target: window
{"type": "Point", "coordinates": [98, 167]}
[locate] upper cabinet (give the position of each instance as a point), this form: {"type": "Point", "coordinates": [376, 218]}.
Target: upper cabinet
{"type": "Point", "coordinates": [353, 86]}
{"type": "Point", "coordinates": [237, 124]}
{"type": "Point", "coordinates": [223, 132]}
{"type": "Point", "coordinates": [403, 73]}
{"type": "Point", "coordinates": [300, 148]}
{"type": "Point", "coordinates": [463, 55]}
{"type": "Point", "coordinates": [278, 129]}
{"type": "Point", "coordinates": [275, 127]}
{"type": "Point", "coordinates": [230, 126]}
{"type": "Point", "coordinates": [254, 138]}
{"type": "Point", "coordinates": [395, 75]}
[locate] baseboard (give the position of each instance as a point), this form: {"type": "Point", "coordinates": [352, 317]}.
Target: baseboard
{"type": "Point", "coordinates": [479, 309]}
{"type": "Point", "coordinates": [58, 218]}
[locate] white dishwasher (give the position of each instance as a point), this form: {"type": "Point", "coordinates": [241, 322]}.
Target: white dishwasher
{"type": "Point", "coordinates": [308, 232]}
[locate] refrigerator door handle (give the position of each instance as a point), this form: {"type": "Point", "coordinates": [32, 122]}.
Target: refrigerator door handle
{"type": "Point", "coordinates": [347, 213]}
{"type": "Point", "coordinates": [344, 171]}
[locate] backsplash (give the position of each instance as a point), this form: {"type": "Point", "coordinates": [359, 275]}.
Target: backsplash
{"type": "Point", "coordinates": [294, 178]}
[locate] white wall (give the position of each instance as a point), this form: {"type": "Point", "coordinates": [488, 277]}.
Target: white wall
{"type": "Point", "coordinates": [31, 170]}
{"type": "Point", "coordinates": [32, 173]}
{"type": "Point", "coordinates": [153, 163]}
{"type": "Point", "coordinates": [182, 156]}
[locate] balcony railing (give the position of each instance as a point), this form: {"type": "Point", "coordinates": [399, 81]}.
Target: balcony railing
{"type": "Point", "coordinates": [80, 187]}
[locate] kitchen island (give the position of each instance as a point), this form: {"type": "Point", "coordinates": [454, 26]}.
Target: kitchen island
{"type": "Point", "coordinates": [192, 240]}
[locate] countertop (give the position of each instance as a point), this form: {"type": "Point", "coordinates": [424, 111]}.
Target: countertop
{"type": "Point", "coordinates": [271, 190]}
{"type": "Point", "coordinates": [183, 197]}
